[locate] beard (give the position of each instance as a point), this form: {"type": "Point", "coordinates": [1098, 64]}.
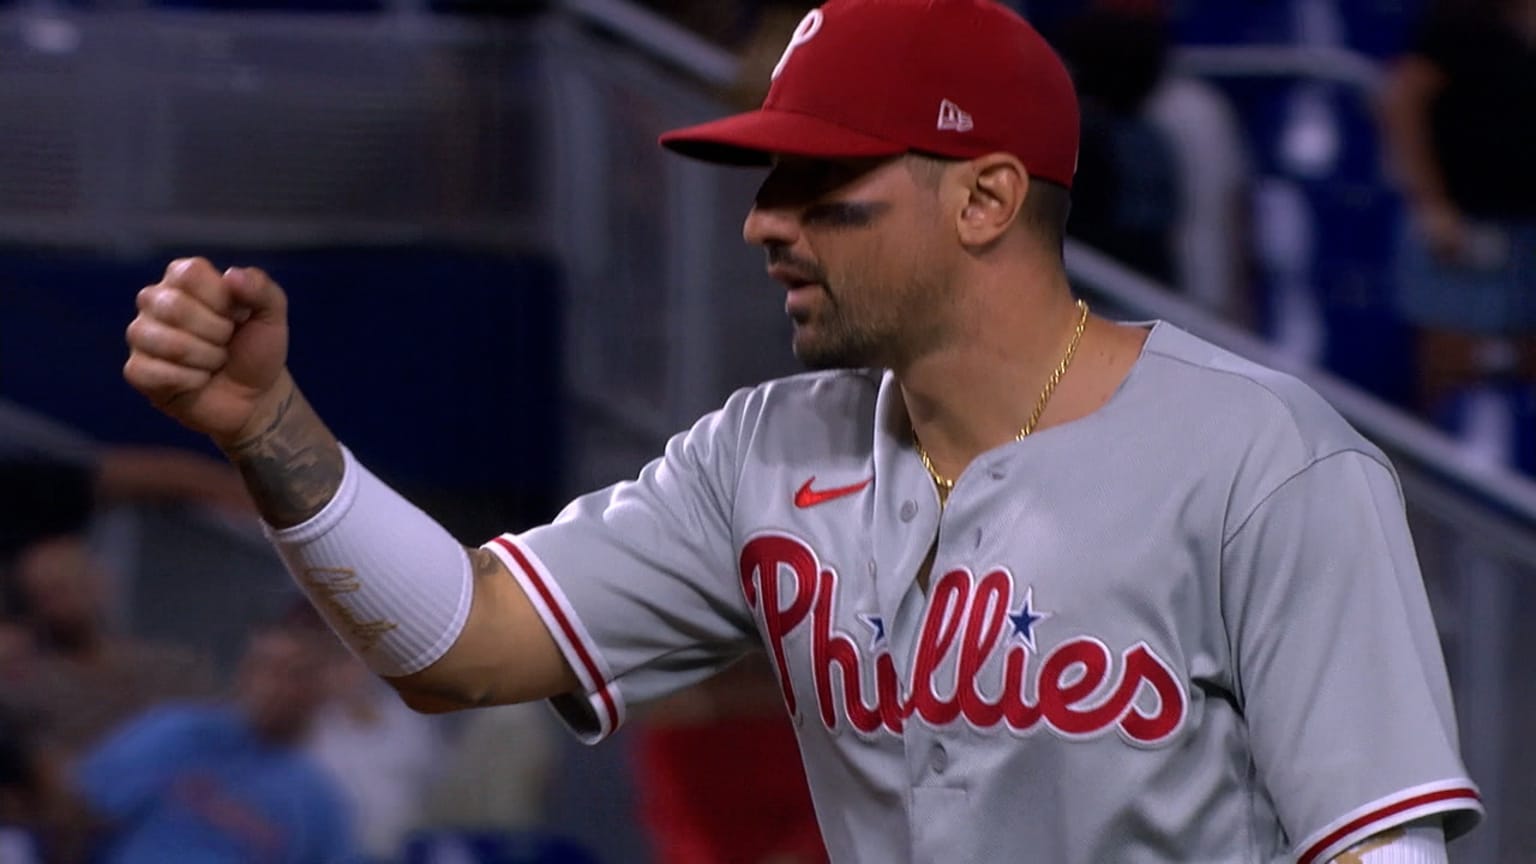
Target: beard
{"type": "Point", "coordinates": [859, 323]}
{"type": "Point", "coordinates": [861, 327]}
{"type": "Point", "coordinates": [829, 340]}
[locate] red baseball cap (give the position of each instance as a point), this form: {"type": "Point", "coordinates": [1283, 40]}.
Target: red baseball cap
{"type": "Point", "coordinates": [954, 78]}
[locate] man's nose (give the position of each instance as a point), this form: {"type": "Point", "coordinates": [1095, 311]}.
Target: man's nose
{"type": "Point", "coordinates": [771, 226]}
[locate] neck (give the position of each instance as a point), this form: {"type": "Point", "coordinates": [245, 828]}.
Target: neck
{"type": "Point", "coordinates": [977, 391]}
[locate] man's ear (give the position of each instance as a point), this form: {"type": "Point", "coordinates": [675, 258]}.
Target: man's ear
{"type": "Point", "coordinates": [994, 193]}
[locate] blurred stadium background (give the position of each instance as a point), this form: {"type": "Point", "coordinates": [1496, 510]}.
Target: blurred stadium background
{"type": "Point", "coordinates": [504, 293]}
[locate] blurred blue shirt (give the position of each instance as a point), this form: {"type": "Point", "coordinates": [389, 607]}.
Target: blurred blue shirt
{"type": "Point", "coordinates": [194, 784]}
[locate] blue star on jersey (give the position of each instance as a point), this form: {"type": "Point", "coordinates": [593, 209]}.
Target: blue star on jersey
{"type": "Point", "coordinates": [876, 624]}
{"type": "Point", "coordinates": [1026, 618]}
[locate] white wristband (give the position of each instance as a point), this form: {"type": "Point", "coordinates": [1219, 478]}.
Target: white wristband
{"type": "Point", "coordinates": [392, 583]}
{"type": "Point", "coordinates": [1421, 842]}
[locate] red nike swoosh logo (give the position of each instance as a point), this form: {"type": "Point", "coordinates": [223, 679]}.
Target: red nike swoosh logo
{"type": "Point", "coordinates": [805, 496]}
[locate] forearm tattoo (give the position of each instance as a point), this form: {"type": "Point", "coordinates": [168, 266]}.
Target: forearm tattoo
{"type": "Point", "coordinates": [292, 467]}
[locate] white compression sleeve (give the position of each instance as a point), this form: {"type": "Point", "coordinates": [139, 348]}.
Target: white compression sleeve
{"type": "Point", "coordinates": [1421, 842]}
{"type": "Point", "coordinates": [392, 583]}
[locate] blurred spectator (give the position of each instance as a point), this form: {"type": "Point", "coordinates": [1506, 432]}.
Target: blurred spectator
{"type": "Point", "coordinates": [1211, 235]}
{"type": "Point", "coordinates": [757, 812]}
{"type": "Point", "coordinates": [496, 775]}
{"type": "Point", "coordinates": [73, 678]}
{"type": "Point", "coordinates": [1459, 119]}
{"type": "Point", "coordinates": [86, 678]}
{"type": "Point", "coordinates": [69, 675]}
{"type": "Point", "coordinates": [69, 678]}
{"type": "Point", "coordinates": [1125, 201]}
{"type": "Point", "coordinates": [224, 783]}
{"type": "Point", "coordinates": [381, 755]}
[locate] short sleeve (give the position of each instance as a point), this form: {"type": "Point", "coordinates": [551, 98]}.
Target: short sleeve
{"type": "Point", "coordinates": [637, 583]}
{"type": "Point", "coordinates": [1337, 660]}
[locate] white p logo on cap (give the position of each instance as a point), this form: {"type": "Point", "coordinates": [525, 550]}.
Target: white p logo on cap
{"type": "Point", "coordinates": [809, 26]}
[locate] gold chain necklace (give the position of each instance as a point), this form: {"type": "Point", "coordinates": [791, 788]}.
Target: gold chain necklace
{"type": "Point", "coordinates": [945, 484]}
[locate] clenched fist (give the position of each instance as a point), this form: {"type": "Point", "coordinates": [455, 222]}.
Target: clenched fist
{"type": "Point", "coordinates": [211, 349]}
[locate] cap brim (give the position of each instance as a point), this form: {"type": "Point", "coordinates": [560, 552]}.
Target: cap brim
{"type": "Point", "coordinates": [755, 137]}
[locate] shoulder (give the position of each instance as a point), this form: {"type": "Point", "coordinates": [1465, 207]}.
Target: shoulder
{"type": "Point", "coordinates": [810, 392]}
{"type": "Point", "coordinates": [174, 724]}
{"type": "Point", "coordinates": [1273, 423]}
{"type": "Point", "coordinates": [795, 405]}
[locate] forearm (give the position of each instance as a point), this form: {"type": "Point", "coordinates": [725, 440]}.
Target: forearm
{"type": "Point", "coordinates": [291, 464]}
{"type": "Point", "coordinates": [503, 655]}
{"type": "Point", "coordinates": [448, 625]}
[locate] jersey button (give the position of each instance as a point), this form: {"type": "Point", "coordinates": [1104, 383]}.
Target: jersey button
{"type": "Point", "coordinates": [939, 760]}
{"type": "Point", "coordinates": [908, 510]}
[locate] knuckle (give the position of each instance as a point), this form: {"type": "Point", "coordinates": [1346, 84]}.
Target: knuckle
{"type": "Point", "coordinates": [154, 339]}
{"type": "Point", "coordinates": [136, 331]}
{"type": "Point", "coordinates": [168, 304]}
{"type": "Point", "coordinates": [163, 301]}
{"type": "Point", "coordinates": [187, 267]}
{"type": "Point", "coordinates": [140, 374]}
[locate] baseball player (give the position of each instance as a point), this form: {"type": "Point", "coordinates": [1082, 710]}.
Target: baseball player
{"type": "Point", "coordinates": [1037, 586]}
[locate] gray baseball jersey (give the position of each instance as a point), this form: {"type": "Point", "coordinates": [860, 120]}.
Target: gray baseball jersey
{"type": "Point", "coordinates": [1189, 627]}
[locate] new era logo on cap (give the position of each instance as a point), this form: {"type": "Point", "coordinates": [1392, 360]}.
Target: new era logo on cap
{"type": "Point", "coordinates": [953, 119]}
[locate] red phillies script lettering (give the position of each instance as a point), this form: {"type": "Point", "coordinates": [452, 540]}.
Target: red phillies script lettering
{"type": "Point", "coordinates": [1079, 690]}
